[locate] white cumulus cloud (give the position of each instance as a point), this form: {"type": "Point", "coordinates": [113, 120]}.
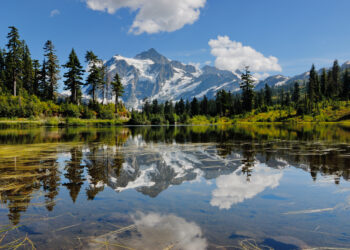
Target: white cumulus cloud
{"type": "Point", "coordinates": [233, 55]}
{"type": "Point", "coordinates": [154, 16]}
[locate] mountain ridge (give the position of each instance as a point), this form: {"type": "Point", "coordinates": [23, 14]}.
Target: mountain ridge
{"type": "Point", "coordinates": [150, 75]}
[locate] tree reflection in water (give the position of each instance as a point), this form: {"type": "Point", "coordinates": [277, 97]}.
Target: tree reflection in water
{"type": "Point", "coordinates": [101, 157]}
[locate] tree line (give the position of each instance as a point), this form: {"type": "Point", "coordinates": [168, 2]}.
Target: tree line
{"type": "Point", "coordinates": [331, 85]}
{"type": "Point", "coordinates": [29, 87]}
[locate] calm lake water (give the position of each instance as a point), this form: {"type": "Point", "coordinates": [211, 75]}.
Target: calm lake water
{"type": "Point", "coordinates": [239, 187]}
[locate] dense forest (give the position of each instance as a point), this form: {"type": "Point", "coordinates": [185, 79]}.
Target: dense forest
{"type": "Point", "coordinates": [28, 89]}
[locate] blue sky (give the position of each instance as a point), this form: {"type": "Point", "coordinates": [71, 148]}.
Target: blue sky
{"type": "Point", "coordinates": [296, 33]}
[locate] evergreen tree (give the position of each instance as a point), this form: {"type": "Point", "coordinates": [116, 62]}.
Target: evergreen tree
{"type": "Point", "coordinates": [247, 90]}
{"type": "Point", "coordinates": [155, 107]}
{"type": "Point", "coordinates": [36, 77]}
{"type": "Point", "coordinates": [194, 107]}
{"type": "Point", "coordinates": [296, 93]}
{"type": "Point", "coordinates": [43, 80]}
{"type": "Point", "coordinates": [2, 70]}
{"type": "Point", "coordinates": [259, 99]}
{"type": "Point", "coordinates": [324, 83]}
{"type": "Point", "coordinates": [180, 107]}
{"type": "Point", "coordinates": [147, 109]}
{"type": "Point", "coordinates": [73, 77]}
{"type": "Point", "coordinates": [96, 74]}
{"type": "Point", "coordinates": [346, 85]}
{"type": "Point", "coordinates": [268, 95]}
{"type": "Point", "coordinates": [312, 88]}
{"type": "Point", "coordinates": [13, 59]}
{"type": "Point", "coordinates": [330, 87]}
{"type": "Point", "coordinates": [168, 108]}
{"type": "Point", "coordinates": [287, 99]}
{"type": "Point", "coordinates": [27, 72]}
{"type": "Point", "coordinates": [187, 107]}
{"type": "Point", "coordinates": [204, 109]}
{"type": "Point", "coordinates": [336, 78]}
{"type": "Point", "coordinates": [237, 105]}
{"type": "Point", "coordinates": [52, 70]}
{"type": "Point", "coordinates": [281, 97]}
{"type": "Point", "coordinates": [118, 89]}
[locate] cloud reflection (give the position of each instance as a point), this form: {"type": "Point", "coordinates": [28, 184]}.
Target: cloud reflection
{"type": "Point", "coordinates": [156, 231]}
{"type": "Point", "coordinates": [234, 188]}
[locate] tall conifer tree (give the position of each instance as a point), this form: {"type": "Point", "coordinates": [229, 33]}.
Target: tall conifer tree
{"type": "Point", "coordinates": [52, 70]}
{"type": "Point", "coordinates": [96, 74]}
{"type": "Point", "coordinates": [36, 77]}
{"type": "Point", "coordinates": [346, 85]}
{"type": "Point", "coordinates": [324, 83]}
{"type": "Point", "coordinates": [118, 89]}
{"type": "Point", "coordinates": [73, 77]}
{"type": "Point", "coordinates": [13, 59]}
{"type": "Point", "coordinates": [296, 93]}
{"type": "Point", "coordinates": [27, 71]}
{"type": "Point", "coordinates": [247, 90]}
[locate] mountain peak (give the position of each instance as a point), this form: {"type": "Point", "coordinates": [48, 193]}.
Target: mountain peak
{"type": "Point", "coordinates": [153, 55]}
{"type": "Point", "coordinates": [346, 65]}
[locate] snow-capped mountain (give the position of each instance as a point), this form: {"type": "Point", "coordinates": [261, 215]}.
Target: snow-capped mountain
{"type": "Point", "coordinates": [153, 76]}
{"type": "Point", "coordinates": [150, 75]}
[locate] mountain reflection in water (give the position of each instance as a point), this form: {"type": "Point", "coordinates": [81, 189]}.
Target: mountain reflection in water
{"type": "Point", "coordinates": [240, 163]}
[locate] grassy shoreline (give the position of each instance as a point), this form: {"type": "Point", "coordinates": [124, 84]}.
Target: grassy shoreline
{"type": "Point", "coordinates": [197, 120]}
{"type": "Point", "coordinates": [60, 122]}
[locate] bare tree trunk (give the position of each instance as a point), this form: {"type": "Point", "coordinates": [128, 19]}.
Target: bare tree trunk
{"type": "Point", "coordinates": [15, 87]}
{"type": "Point", "coordinates": [116, 104]}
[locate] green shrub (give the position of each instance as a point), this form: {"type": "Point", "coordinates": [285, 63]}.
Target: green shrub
{"type": "Point", "coordinates": [106, 112]}
{"type": "Point", "coordinates": [70, 110]}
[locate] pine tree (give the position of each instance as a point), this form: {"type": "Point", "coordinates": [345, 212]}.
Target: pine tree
{"type": "Point", "coordinates": [336, 78]}
{"type": "Point", "coordinates": [287, 99]}
{"type": "Point", "coordinates": [324, 82]}
{"type": "Point", "coordinates": [36, 77]}
{"type": "Point", "coordinates": [27, 71]}
{"type": "Point", "coordinates": [52, 70]}
{"type": "Point", "coordinates": [204, 109]}
{"type": "Point", "coordinates": [346, 85]}
{"type": "Point", "coordinates": [155, 107]}
{"type": "Point", "coordinates": [312, 88]}
{"type": "Point", "coordinates": [96, 74]}
{"type": "Point", "coordinates": [268, 95]}
{"type": "Point", "coordinates": [147, 108]}
{"type": "Point", "coordinates": [187, 107]}
{"type": "Point", "coordinates": [296, 93]}
{"type": "Point", "coordinates": [180, 107]}
{"type": "Point", "coordinates": [169, 111]}
{"type": "Point", "coordinates": [43, 81]}
{"type": "Point", "coordinates": [281, 97]}
{"type": "Point", "coordinates": [73, 77]}
{"type": "Point", "coordinates": [247, 90]}
{"type": "Point", "coordinates": [13, 59]}
{"type": "Point", "coordinates": [2, 70]}
{"type": "Point", "coordinates": [194, 107]}
{"type": "Point", "coordinates": [118, 89]}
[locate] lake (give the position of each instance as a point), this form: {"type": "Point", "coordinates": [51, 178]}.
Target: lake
{"type": "Point", "coordinates": [201, 187]}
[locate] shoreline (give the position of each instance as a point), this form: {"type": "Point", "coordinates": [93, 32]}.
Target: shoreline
{"type": "Point", "coordinates": [78, 122]}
